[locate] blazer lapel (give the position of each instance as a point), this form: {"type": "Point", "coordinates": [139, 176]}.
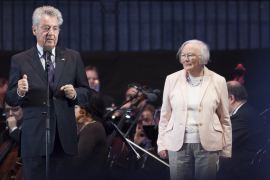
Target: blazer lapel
{"type": "Point", "coordinates": [34, 60]}
{"type": "Point", "coordinates": [59, 65]}
{"type": "Point", "coordinates": [183, 85]}
{"type": "Point", "coordinates": [206, 80]}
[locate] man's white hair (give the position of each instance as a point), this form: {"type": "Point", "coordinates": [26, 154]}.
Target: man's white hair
{"type": "Point", "coordinates": [202, 47]}
{"type": "Point", "coordinates": [46, 10]}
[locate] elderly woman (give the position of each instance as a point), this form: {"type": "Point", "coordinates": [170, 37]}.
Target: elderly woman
{"type": "Point", "coordinates": [194, 128]}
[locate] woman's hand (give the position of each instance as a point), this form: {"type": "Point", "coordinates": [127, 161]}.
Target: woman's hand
{"type": "Point", "coordinates": [163, 154]}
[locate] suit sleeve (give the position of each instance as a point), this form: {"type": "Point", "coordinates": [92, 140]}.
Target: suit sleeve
{"type": "Point", "coordinates": [224, 117]}
{"type": "Point", "coordinates": [12, 98]}
{"type": "Point", "coordinates": [15, 135]}
{"type": "Point", "coordinates": [81, 83]}
{"type": "Point", "coordinates": [166, 111]}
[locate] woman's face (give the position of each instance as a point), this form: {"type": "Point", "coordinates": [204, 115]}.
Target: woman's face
{"type": "Point", "coordinates": [192, 63]}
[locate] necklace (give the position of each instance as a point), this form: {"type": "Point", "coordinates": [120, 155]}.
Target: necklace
{"type": "Point", "coordinates": [191, 83]}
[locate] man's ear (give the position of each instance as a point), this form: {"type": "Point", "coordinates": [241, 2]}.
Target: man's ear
{"type": "Point", "coordinates": [34, 30]}
{"type": "Point", "coordinates": [232, 99]}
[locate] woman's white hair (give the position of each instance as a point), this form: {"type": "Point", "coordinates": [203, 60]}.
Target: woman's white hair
{"type": "Point", "coordinates": [202, 47]}
{"type": "Point", "coordinates": [46, 10]}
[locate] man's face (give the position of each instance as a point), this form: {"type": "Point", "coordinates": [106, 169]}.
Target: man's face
{"type": "Point", "coordinates": [47, 31]}
{"type": "Point", "coordinates": [91, 76]}
{"type": "Point", "coordinates": [15, 112]}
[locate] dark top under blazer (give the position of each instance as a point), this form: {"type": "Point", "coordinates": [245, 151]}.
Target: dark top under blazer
{"type": "Point", "coordinates": [69, 70]}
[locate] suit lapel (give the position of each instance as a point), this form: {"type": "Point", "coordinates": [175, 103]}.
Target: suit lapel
{"type": "Point", "coordinates": [59, 65]}
{"type": "Point", "coordinates": [34, 60]}
{"type": "Point", "coordinates": [206, 80]}
{"type": "Point", "coordinates": [183, 85]}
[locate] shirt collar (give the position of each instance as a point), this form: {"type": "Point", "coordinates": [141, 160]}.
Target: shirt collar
{"type": "Point", "coordinates": [238, 108]}
{"type": "Point", "coordinates": [40, 50]}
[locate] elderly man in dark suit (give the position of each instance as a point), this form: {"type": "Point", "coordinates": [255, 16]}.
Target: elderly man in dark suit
{"type": "Point", "coordinates": [247, 134]}
{"type": "Point", "coordinates": [28, 88]}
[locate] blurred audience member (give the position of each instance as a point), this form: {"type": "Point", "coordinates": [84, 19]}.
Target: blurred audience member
{"type": "Point", "coordinates": [247, 134]}
{"type": "Point", "coordinates": [3, 90]}
{"type": "Point", "coordinates": [93, 150]}
{"type": "Point", "coordinates": [14, 116]}
{"type": "Point", "coordinates": [94, 83]}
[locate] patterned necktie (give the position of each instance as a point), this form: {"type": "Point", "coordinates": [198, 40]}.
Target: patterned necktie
{"type": "Point", "coordinates": [51, 72]}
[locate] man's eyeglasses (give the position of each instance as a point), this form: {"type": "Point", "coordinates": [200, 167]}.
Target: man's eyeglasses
{"type": "Point", "coordinates": [189, 56]}
{"type": "Point", "coordinates": [55, 29]}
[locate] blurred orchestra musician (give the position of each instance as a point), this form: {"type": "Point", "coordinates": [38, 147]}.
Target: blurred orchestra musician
{"type": "Point", "coordinates": [240, 72]}
{"type": "Point", "coordinates": [248, 135]}
{"type": "Point", "coordinates": [14, 116]}
{"type": "Point", "coordinates": [94, 83]}
{"type": "Point", "coordinates": [147, 167]}
{"type": "Point", "coordinates": [3, 90]}
{"type": "Point", "coordinates": [93, 149]}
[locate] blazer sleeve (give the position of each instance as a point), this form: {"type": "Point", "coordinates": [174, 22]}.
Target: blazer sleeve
{"type": "Point", "coordinates": [224, 117]}
{"type": "Point", "coordinates": [166, 112]}
{"type": "Point", "coordinates": [81, 83]}
{"type": "Point", "coordinates": [12, 98]}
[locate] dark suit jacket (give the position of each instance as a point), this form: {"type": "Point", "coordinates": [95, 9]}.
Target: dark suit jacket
{"type": "Point", "coordinates": [248, 137]}
{"type": "Point", "coordinates": [5, 136]}
{"type": "Point", "coordinates": [69, 70]}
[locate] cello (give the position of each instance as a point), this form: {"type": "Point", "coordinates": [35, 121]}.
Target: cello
{"type": "Point", "coordinates": [11, 164]}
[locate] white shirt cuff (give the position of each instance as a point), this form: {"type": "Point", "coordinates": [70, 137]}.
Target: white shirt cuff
{"type": "Point", "coordinates": [75, 96]}
{"type": "Point", "coordinates": [19, 94]}
{"type": "Point", "coordinates": [10, 131]}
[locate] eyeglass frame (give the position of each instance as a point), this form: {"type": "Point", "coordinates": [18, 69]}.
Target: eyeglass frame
{"type": "Point", "coordinates": [189, 56]}
{"type": "Point", "coordinates": [48, 28]}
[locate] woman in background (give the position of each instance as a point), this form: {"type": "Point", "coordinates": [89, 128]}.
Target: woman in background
{"type": "Point", "coordinates": [92, 143]}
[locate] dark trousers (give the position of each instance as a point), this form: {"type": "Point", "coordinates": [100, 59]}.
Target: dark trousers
{"type": "Point", "coordinates": [60, 167]}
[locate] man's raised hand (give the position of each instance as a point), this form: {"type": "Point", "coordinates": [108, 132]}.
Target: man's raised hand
{"type": "Point", "coordinates": [23, 85]}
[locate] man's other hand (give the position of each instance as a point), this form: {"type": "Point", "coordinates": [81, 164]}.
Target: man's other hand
{"type": "Point", "coordinates": [69, 91]}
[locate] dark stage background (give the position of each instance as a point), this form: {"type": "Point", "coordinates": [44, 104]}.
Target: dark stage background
{"type": "Point", "coordinates": [136, 41]}
{"type": "Point", "coordinates": [118, 69]}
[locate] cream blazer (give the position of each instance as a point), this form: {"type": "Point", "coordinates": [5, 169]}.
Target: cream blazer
{"type": "Point", "coordinates": [214, 120]}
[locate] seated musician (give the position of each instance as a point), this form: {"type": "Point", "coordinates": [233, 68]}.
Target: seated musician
{"type": "Point", "coordinates": [92, 142]}
{"type": "Point", "coordinates": [14, 116]}
{"type": "Point", "coordinates": [147, 167]}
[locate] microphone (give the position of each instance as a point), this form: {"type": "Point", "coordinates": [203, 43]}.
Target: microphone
{"type": "Point", "coordinates": [47, 49]}
{"type": "Point", "coordinates": [150, 96]}
{"type": "Point", "coordinates": [156, 91]}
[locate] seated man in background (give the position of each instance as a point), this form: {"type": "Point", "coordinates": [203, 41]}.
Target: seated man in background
{"type": "Point", "coordinates": [147, 167]}
{"type": "Point", "coordinates": [14, 116]}
{"type": "Point", "coordinates": [248, 136]}
{"type": "Point", "coordinates": [94, 83]}
{"type": "Point", "coordinates": [3, 90]}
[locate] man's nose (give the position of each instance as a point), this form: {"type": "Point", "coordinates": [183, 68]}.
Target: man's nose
{"type": "Point", "coordinates": [10, 113]}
